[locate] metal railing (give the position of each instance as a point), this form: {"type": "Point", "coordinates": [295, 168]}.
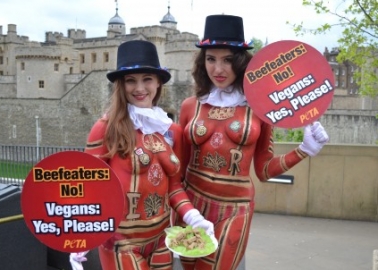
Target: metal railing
{"type": "Point", "coordinates": [17, 160]}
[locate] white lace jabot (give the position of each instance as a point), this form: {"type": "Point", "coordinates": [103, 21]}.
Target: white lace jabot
{"type": "Point", "coordinates": [149, 120]}
{"type": "Point", "coordinates": [228, 97]}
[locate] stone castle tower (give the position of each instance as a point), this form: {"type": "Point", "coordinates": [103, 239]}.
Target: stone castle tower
{"type": "Point", "coordinates": [30, 69]}
{"type": "Point", "coordinates": [59, 86]}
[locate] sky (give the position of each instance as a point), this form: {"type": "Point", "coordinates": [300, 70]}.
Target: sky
{"type": "Point", "coordinates": [265, 20]}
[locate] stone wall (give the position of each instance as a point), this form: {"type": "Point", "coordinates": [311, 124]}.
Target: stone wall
{"type": "Point", "coordinates": [8, 86]}
{"type": "Point", "coordinates": [341, 182]}
{"type": "Point", "coordinates": [351, 126]}
{"type": "Point", "coordinates": [67, 121]}
{"type": "Point", "coordinates": [355, 102]}
{"type": "Point", "coordinates": [61, 122]}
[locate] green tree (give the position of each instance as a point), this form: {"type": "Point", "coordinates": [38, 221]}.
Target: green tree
{"type": "Point", "coordinates": [288, 135]}
{"type": "Point", "coordinates": [358, 43]}
{"type": "Point", "coordinates": [257, 45]}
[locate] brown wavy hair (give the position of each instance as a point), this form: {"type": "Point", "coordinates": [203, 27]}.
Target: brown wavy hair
{"type": "Point", "coordinates": [202, 80]}
{"type": "Point", "coordinates": [120, 134]}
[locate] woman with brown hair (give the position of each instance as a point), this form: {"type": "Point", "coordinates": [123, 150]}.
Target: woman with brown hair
{"type": "Point", "coordinates": [143, 147]}
{"type": "Point", "coordinates": [223, 136]}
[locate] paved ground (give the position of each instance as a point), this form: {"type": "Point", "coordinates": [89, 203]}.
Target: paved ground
{"type": "Point", "coordinates": [302, 243]}
{"type": "Point", "coordinates": [279, 242]}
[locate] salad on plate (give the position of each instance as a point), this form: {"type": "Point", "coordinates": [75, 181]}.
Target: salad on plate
{"type": "Point", "coordinates": [189, 242]}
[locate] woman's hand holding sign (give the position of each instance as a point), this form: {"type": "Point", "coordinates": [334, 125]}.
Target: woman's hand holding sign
{"type": "Point", "coordinates": [295, 93]}
{"type": "Point", "coordinates": [76, 214]}
{"type": "Point", "coordinates": [314, 139]}
{"type": "Point", "coordinates": [289, 84]}
{"type": "Point", "coordinates": [76, 259]}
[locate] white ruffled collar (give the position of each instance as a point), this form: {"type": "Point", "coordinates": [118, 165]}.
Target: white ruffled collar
{"type": "Point", "coordinates": [228, 97]}
{"type": "Point", "coordinates": [149, 120]}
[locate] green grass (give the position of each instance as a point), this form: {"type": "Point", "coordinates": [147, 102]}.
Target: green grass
{"type": "Point", "coordinates": [14, 170]}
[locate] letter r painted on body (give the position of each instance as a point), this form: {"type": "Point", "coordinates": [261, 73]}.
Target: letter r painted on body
{"type": "Point", "coordinates": [236, 156]}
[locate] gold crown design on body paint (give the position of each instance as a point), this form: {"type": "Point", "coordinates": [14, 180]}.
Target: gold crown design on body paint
{"type": "Point", "coordinates": [218, 113]}
{"type": "Point", "coordinates": [153, 143]}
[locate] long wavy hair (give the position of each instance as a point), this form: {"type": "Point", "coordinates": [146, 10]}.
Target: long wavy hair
{"type": "Point", "coordinates": [120, 133]}
{"type": "Point", "coordinates": [202, 80]}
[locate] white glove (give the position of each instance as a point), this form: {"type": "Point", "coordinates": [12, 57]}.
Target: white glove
{"type": "Point", "coordinates": [195, 219]}
{"type": "Point", "coordinates": [76, 259]}
{"type": "Point", "coordinates": [314, 139]}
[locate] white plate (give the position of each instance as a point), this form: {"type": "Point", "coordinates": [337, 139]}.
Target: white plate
{"type": "Point", "coordinates": [215, 242]}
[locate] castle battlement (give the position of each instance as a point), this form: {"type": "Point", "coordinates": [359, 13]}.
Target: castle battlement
{"type": "Point", "coordinates": [154, 31]}
{"type": "Point", "coordinates": [53, 36]}
{"type": "Point", "coordinates": [184, 36]}
{"type": "Point", "coordinates": [76, 34]}
{"type": "Point", "coordinates": [182, 42]}
{"type": "Point", "coordinates": [35, 52]}
{"type": "Point", "coordinates": [11, 36]}
{"type": "Point", "coordinates": [96, 43]}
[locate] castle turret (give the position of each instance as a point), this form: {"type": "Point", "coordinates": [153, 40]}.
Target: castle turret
{"type": "Point", "coordinates": [168, 20]}
{"type": "Point", "coordinates": [116, 25]}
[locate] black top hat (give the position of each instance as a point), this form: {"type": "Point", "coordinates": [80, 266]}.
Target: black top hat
{"type": "Point", "coordinates": [224, 31]}
{"type": "Point", "coordinates": [138, 56]}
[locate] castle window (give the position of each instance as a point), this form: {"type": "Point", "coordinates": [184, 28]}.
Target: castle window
{"type": "Point", "coordinates": [41, 84]}
{"type": "Point", "coordinates": [94, 58]}
{"type": "Point", "coordinates": [71, 70]}
{"type": "Point", "coordinates": [1, 72]}
{"type": "Point", "coordinates": [56, 67]}
{"type": "Point", "coordinates": [82, 58]}
{"type": "Point", "coordinates": [106, 57]}
{"type": "Point", "coordinates": [1, 60]}
{"type": "Point", "coordinates": [22, 66]}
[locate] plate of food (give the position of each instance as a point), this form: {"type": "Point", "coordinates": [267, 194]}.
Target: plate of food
{"type": "Point", "coordinates": [189, 242]}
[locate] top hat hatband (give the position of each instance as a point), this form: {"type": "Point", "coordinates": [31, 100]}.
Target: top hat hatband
{"type": "Point", "coordinates": [224, 31]}
{"type": "Point", "coordinates": [138, 56]}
